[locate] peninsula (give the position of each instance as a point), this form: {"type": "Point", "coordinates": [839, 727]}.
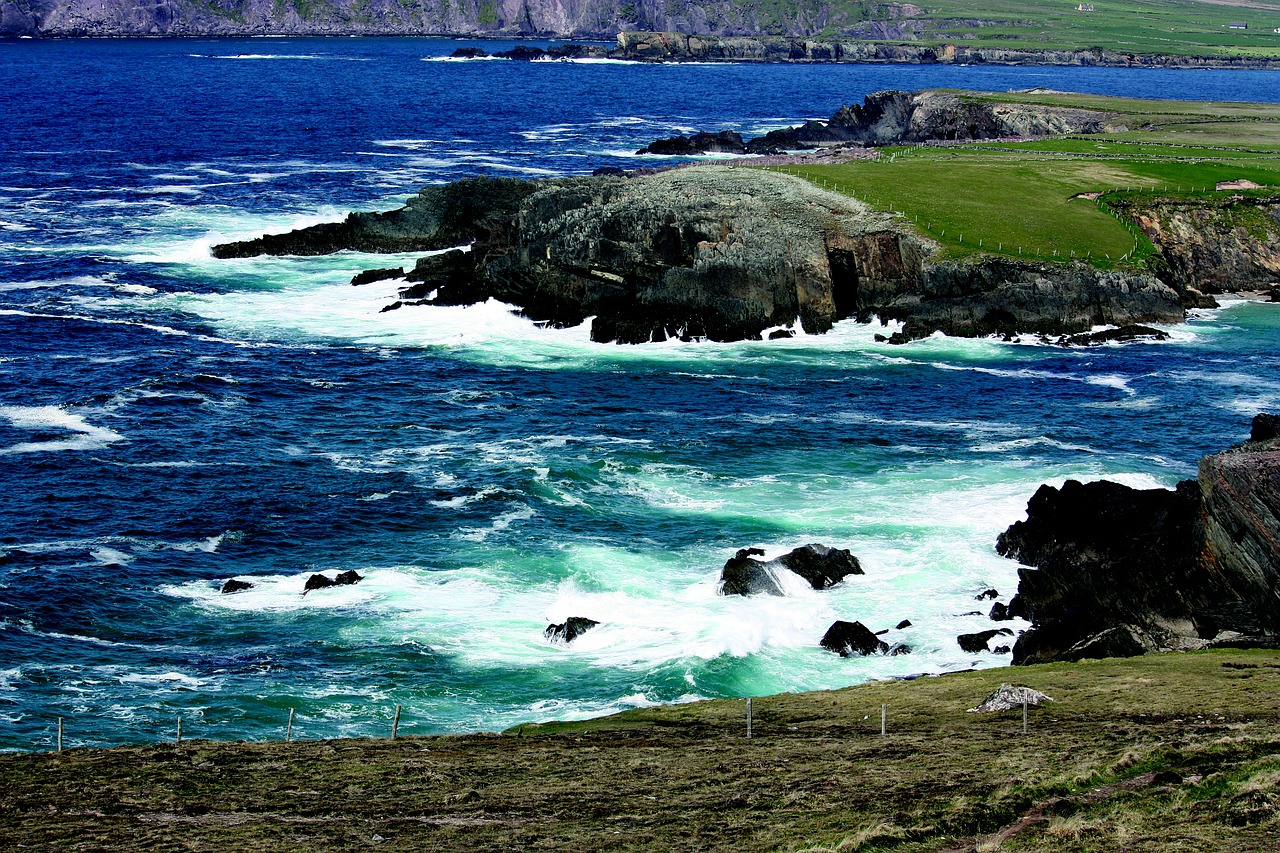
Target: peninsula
{"type": "Point", "coordinates": [965, 213]}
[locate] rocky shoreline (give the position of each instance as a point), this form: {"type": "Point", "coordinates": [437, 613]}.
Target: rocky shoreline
{"type": "Point", "coordinates": [1115, 571]}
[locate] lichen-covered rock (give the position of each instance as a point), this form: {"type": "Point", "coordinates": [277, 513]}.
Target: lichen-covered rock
{"type": "Point", "coordinates": [1008, 697]}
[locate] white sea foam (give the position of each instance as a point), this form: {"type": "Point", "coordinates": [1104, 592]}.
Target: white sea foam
{"type": "Point", "coordinates": [82, 434]}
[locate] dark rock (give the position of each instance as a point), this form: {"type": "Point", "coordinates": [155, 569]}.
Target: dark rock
{"type": "Point", "coordinates": [881, 442]}
{"type": "Point", "coordinates": [779, 334]}
{"type": "Point", "coordinates": [522, 53]}
{"type": "Point", "coordinates": [316, 581]}
{"type": "Point", "coordinates": [1105, 555]}
{"type": "Point", "coordinates": [233, 585]}
{"type": "Point", "coordinates": [999, 613]}
{"type": "Point", "coordinates": [1265, 427]}
{"type": "Point", "coordinates": [468, 53]}
{"type": "Point", "coordinates": [852, 638]}
{"type": "Point", "coordinates": [977, 643]}
{"type": "Point", "coordinates": [615, 171]}
{"type": "Point", "coordinates": [450, 276]}
{"type": "Point", "coordinates": [821, 566]}
{"type": "Point", "coordinates": [899, 649]}
{"type": "Point", "coordinates": [1122, 641]}
{"type": "Point", "coordinates": [319, 581]}
{"type": "Point", "coordinates": [724, 142]}
{"type": "Point", "coordinates": [879, 338]}
{"type": "Point", "coordinates": [1018, 609]}
{"type": "Point", "coordinates": [1131, 332]}
{"type": "Point", "coordinates": [570, 629]}
{"type": "Point", "coordinates": [905, 623]}
{"type": "Point", "coordinates": [986, 595]}
{"type": "Point", "coordinates": [1001, 650]}
{"type": "Point", "coordinates": [394, 306]}
{"type": "Point", "coordinates": [370, 276]}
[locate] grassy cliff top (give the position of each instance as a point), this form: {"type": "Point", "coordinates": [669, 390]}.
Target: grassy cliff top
{"type": "Point", "coordinates": [1166, 753]}
{"type": "Point", "coordinates": [1210, 28]}
{"type": "Point", "coordinates": [1036, 199]}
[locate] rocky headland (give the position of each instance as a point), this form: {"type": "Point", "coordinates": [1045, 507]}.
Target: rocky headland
{"type": "Point", "coordinates": [718, 253]}
{"type": "Point", "coordinates": [696, 47]}
{"type": "Point", "coordinates": [1115, 571]}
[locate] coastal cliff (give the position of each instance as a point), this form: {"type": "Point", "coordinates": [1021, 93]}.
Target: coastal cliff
{"type": "Point", "coordinates": [1116, 571]}
{"type": "Point", "coordinates": [942, 48]}
{"type": "Point", "coordinates": [598, 19]}
{"type": "Point", "coordinates": [716, 252]}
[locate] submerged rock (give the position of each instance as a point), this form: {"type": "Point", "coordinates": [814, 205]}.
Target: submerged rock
{"type": "Point", "coordinates": [852, 638]}
{"type": "Point", "coordinates": [1122, 334]}
{"type": "Point", "coordinates": [821, 566]}
{"type": "Point", "coordinates": [370, 276]}
{"type": "Point", "coordinates": [569, 630]}
{"type": "Point", "coordinates": [234, 585]}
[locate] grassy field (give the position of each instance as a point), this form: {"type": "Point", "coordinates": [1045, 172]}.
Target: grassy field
{"type": "Point", "coordinates": [1026, 199]}
{"type": "Point", "coordinates": [1184, 27]}
{"type": "Point", "coordinates": [1163, 753]}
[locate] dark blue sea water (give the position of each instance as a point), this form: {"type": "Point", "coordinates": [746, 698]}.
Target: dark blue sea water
{"type": "Point", "coordinates": [168, 421]}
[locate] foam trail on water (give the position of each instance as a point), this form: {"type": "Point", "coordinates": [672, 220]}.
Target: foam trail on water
{"type": "Point", "coordinates": [83, 435]}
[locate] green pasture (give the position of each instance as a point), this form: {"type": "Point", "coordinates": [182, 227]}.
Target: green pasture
{"type": "Point", "coordinates": [1184, 27]}
{"type": "Point", "coordinates": [1028, 199]}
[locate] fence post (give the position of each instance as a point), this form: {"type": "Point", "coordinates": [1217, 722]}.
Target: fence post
{"type": "Point", "coordinates": [748, 716]}
{"type": "Point", "coordinates": [179, 740]}
{"type": "Point", "coordinates": [288, 732]}
{"type": "Point", "coordinates": [395, 724]}
{"type": "Point", "coordinates": [1024, 717]}
{"type": "Point", "coordinates": [59, 734]}
{"type": "Point", "coordinates": [884, 713]}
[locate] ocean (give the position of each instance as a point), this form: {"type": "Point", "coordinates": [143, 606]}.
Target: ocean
{"type": "Point", "coordinates": [169, 421]}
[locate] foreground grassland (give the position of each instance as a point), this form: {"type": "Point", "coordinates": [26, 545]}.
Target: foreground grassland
{"type": "Point", "coordinates": [1183, 27]}
{"type": "Point", "coordinates": [1027, 198]}
{"type": "Point", "coordinates": [1165, 753]}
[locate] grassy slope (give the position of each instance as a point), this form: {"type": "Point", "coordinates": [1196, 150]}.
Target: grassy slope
{"type": "Point", "coordinates": [817, 775]}
{"type": "Point", "coordinates": [1019, 198]}
{"type": "Point", "coordinates": [1189, 27]}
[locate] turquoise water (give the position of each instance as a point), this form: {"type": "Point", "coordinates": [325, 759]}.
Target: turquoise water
{"type": "Point", "coordinates": [168, 421]}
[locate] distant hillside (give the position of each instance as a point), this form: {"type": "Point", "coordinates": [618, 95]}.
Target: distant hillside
{"type": "Point", "coordinates": [1198, 27]}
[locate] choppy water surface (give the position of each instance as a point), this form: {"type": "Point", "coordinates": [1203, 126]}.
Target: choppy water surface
{"type": "Point", "coordinates": [168, 421]}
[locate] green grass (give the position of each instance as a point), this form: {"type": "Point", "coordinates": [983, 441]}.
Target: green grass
{"type": "Point", "coordinates": [1023, 199]}
{"type": "Point", "coordinates": [817, 775]}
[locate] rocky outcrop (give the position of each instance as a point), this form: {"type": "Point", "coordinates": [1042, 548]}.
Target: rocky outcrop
{"type": "Point", "coordinates": [852, 638]}
{"type": "Point", "coordinates": [234, 585]}
{"type": "Point", "coordinates": [724, 142]}
{"type": "Point", "coordinates": [569, 630]}
{"type": "Point", "coordinates": [820, 566]}
{"type": "Point", "coordinates": [693, 47]}
{"type": "Point", "coordinates": [1211, 244]}
{"type": "Point", "coordinates": [896, 117]}
{"type": "Point", "coordinates": [1120, 571]}
{"type": "Point", "coordinates": [717, 253]}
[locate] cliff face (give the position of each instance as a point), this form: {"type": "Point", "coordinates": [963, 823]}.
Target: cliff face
{"type": "Point", "coordinates": [1119, 571]}
{"type": "Point", "coordinates": [715, 252]}
{"type": "Point", "coordinates": [1213, 245]}
{"type": "Point", "coordinates": [559, 18]}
